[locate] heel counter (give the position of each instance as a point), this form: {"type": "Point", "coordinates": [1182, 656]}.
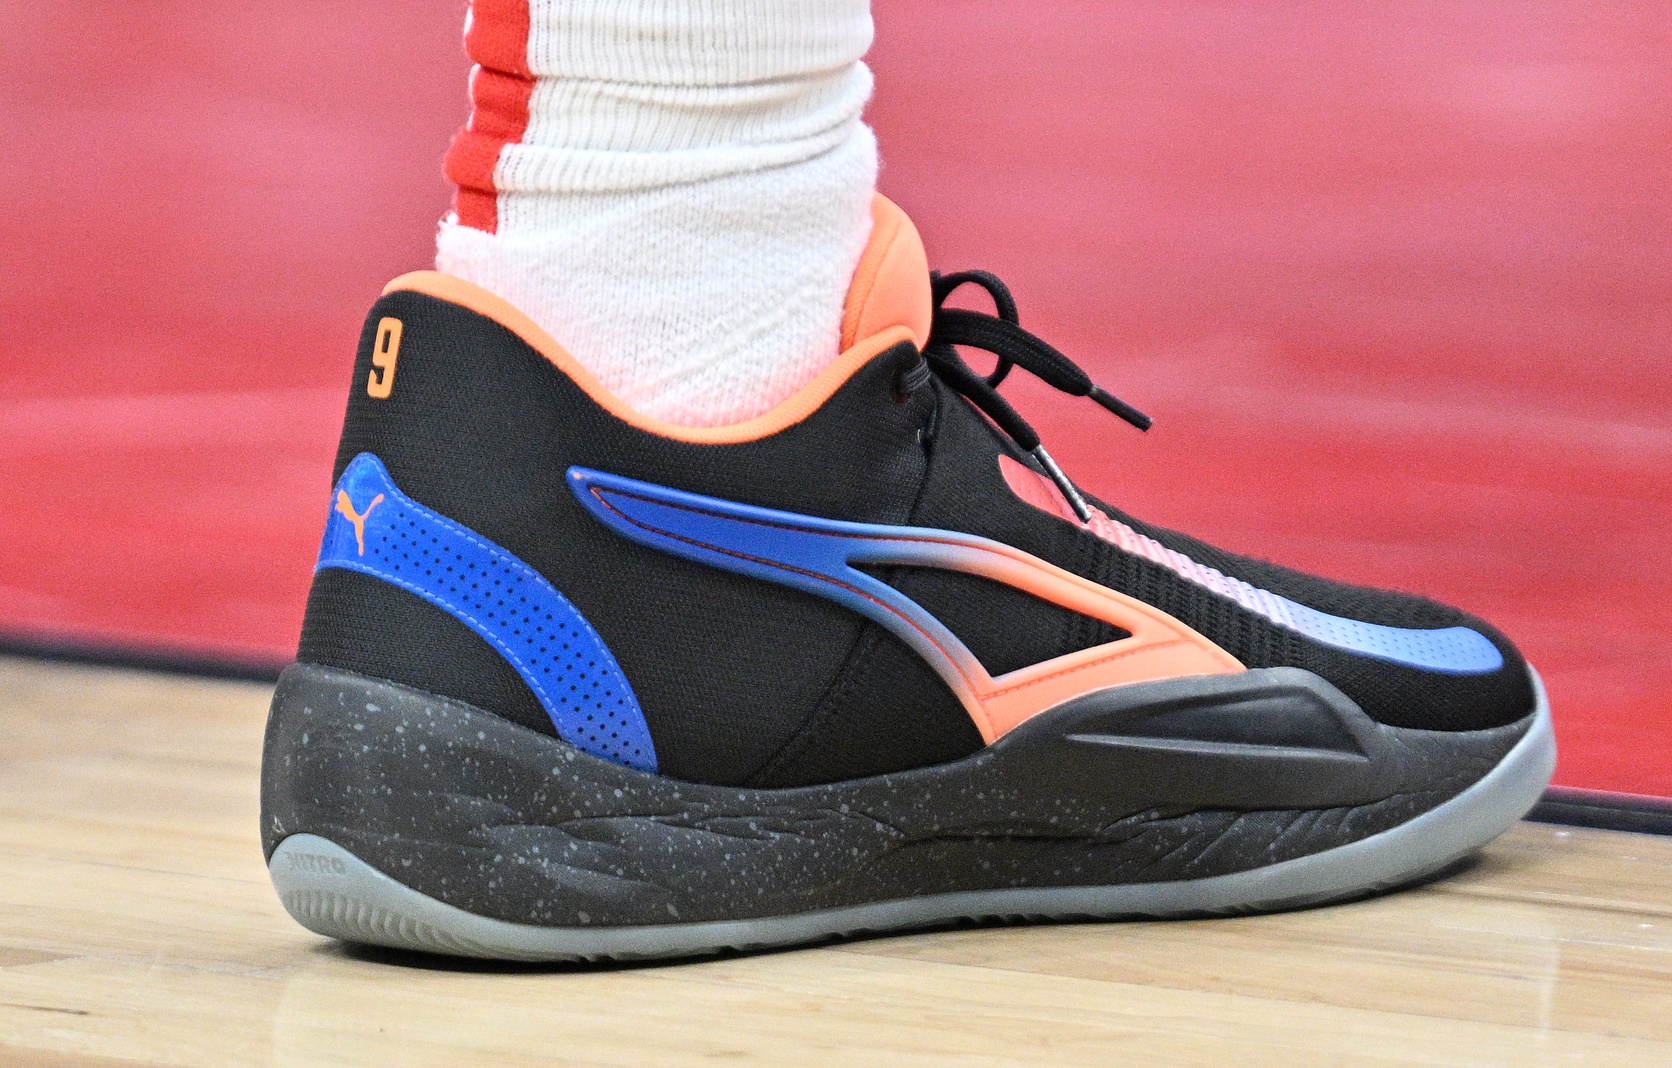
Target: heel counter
{"type": "Point", "coordinates": [377, 531]}
{"type": "Point", "coordinates": [407, 594]}
{"type": "Point", "coordinates": [356, 622]}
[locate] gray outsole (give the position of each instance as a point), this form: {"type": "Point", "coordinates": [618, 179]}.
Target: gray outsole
{"type": "Point", "coordinates": [332, 892]}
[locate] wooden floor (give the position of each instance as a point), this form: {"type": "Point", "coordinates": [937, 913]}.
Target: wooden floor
{"type": "Point", "coordinates": [138, 927]}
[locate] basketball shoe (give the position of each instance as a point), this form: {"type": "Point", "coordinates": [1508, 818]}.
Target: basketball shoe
{"type": "Point", "coordinates": [576, 684]}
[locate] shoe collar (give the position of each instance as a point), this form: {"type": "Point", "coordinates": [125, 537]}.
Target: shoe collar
{"type": "Point", "coordinates": [891, 285]}
{"type": "Point", "coordinates": [889, 302]}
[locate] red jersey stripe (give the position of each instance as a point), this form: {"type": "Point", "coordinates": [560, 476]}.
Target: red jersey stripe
{"type": "Point", "coordinates": [496, 37]}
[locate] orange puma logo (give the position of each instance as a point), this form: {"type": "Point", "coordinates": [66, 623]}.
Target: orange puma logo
{"type": "Point", "coordinates": [346, 507]}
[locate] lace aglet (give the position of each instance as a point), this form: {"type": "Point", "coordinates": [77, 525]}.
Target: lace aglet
{"type": "Point", "coordinates": [1072, 495]}
{"type": "Point", "coordinates": [1121, 408]}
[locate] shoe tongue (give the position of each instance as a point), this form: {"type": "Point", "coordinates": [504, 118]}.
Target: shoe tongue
{"type": "Point", "coordinates": [891, 285]}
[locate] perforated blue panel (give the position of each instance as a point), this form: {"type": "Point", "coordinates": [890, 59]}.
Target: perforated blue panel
{"type": "Point", "coordinates": [377, 530]}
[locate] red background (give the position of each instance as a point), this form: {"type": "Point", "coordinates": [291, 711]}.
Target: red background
{"type": "Point", "coordinates": [1396, 281]}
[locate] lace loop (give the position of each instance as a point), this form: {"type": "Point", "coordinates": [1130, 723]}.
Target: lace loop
{"type": "Point", "coordinates": [1003, 336]}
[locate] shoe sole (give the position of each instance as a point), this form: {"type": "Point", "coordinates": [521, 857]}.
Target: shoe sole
{"type": "Point", "coordinates": [332, 891]}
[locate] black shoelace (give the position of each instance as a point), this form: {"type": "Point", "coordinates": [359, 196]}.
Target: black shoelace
{"type": "Point", "coordinates": [1003, 336]}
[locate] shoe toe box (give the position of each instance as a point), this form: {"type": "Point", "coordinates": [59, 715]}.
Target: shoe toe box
{"type": "Point", "coordinates": [1402, 694]}
{"type": "Point", "coordinates": [1406, 660]}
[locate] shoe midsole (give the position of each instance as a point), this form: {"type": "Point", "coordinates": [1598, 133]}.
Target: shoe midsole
{"type": "Point", "coordinates": [1187, 779]}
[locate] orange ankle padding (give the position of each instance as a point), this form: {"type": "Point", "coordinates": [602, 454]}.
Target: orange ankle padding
{"type": "Point", "coordinates": [793, 409]}
{"type": "Point", "coordinates": [891, 285]}
{"type": "Point", "coordinates": [889, 302]}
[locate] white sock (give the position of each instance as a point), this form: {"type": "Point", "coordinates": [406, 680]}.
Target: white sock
{"type": "Point", "coordinates": [678, 191]}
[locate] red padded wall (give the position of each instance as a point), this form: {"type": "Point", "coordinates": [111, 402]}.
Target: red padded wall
{"type": "Point", "coordinates": [1396, 282]}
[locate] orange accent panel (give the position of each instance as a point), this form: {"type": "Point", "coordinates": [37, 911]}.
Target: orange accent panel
{"type": "Point", "coordinates": [792, 410]}
{"type": "Point", "coordinates": [891, 285]}
{"type": "Point", "coordinates": [1057, 681]}
{"type": "Point", "coordinates": [1158, 646]}
{"type": "Point", "coordinates": [1033, 488]}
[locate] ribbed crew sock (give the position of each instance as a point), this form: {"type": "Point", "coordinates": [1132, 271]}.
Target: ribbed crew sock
{"type": "Point", "coordinates": [677, 190]}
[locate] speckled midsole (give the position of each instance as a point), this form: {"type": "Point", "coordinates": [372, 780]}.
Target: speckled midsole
{"type": "Point", "coordinates": [1187, 779]}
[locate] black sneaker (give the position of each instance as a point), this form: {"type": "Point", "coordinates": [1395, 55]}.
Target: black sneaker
{"type": "Point", "coordinates": [575, 684]}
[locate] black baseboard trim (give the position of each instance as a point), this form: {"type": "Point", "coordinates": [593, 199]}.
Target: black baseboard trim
{"type": "Point", "coordinates": [1605, 811]}
{"type": "Point", "coordinates": [1561, 804]}
{"type": "Point", "coordinates": [158, 659]}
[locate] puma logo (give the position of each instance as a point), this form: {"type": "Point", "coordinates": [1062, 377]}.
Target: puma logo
{"type": "Point", "coordinates": [346, 507]}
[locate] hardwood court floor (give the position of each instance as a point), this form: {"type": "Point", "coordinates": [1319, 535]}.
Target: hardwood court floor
{"type": "Point", "coordinates": [137, 927]}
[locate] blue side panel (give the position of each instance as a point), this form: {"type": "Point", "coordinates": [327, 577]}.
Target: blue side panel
{"type": "Point", "coordinates": [377, 530]}
{"type": "Point", "coordinates": [813, 554]}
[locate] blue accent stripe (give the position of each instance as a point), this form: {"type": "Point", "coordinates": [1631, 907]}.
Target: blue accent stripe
{"type": "Point", "coordinates": [1448, 650]}
{"type": "Point", "coordinates": [813, 554]}
{"type": "Point", "coordinates": [509, 604]}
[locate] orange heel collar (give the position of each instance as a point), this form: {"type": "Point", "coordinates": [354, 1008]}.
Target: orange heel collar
{"type": "Point", "coordinates": [889, 302]}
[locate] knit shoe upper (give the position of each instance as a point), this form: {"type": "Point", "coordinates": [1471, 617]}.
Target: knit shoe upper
{"type": "Point", "coordinates": [885, 572]}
